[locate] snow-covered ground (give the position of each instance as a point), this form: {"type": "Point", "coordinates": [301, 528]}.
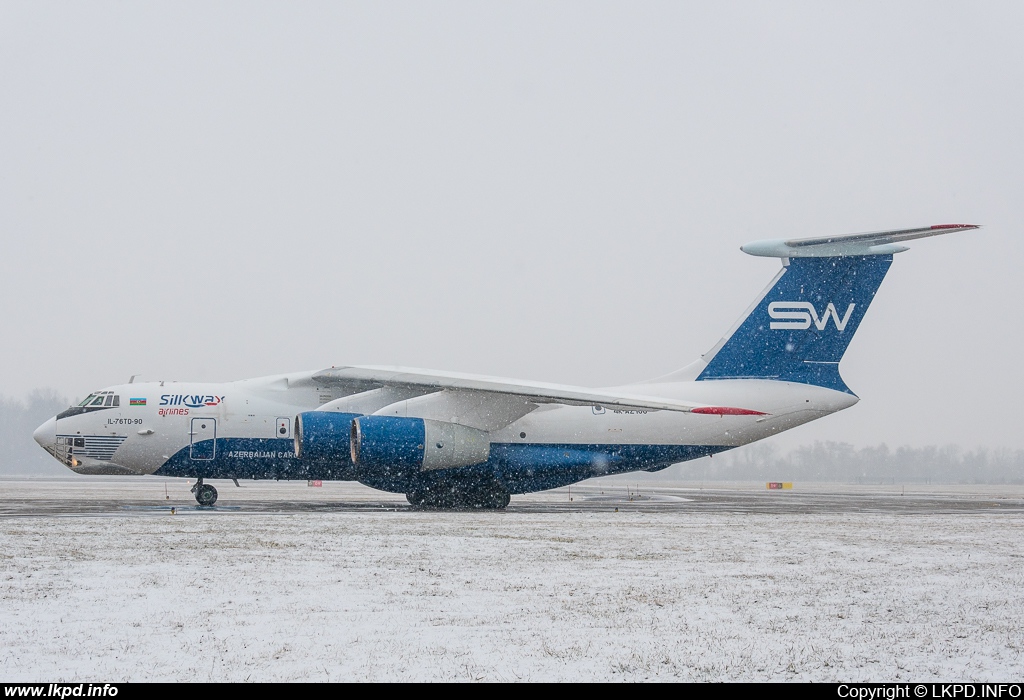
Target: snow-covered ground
{"type": "Point", "coordinates": [592, 594]}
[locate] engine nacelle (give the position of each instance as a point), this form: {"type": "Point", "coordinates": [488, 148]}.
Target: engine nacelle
{"type": "Point", "coordinates": [322, 438]}
{"type": "Point", "coordinates": [391, 442]}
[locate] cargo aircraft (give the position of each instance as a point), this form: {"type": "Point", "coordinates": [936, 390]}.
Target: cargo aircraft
{"type": "Point", "coordinates": [450, 440]}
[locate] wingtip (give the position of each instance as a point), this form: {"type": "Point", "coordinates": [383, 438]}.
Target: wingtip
{"type": "Point", "coordinates": [963, 227]}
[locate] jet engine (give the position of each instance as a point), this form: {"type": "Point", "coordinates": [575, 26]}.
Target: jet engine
{"type": "Point", "coordinates": [322, 438]}
{"type": "Point", "coordinates": [389, 442]}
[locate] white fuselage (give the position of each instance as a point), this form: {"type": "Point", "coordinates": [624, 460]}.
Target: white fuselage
{"type": "Point", "coordinates": [157, 422]}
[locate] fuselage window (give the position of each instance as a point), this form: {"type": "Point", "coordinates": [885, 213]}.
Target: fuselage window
{"type": "Point", "coordinates": [117, 401]}
{"type": "Point", "coordinates": [98, 401]}
{"type": "Point", "coordinates": [109, 401]}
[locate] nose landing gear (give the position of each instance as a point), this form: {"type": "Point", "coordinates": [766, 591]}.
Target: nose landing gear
{"type": "Point", "coordinates": [206, 495]}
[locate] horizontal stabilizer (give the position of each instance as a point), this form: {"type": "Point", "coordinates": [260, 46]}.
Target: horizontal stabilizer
{"type": "Point", "coordinates": [875, 243]}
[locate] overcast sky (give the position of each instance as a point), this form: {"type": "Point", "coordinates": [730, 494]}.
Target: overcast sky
{"type": "Point", "coordinates": [549, 191]}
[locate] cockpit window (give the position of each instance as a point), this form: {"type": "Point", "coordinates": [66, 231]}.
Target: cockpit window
{"type": "Point", "coordinates": [96, 401]}
{"type": "Point", "coordinates": [101, 398]}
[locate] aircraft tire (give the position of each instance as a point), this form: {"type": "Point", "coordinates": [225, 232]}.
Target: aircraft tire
{"type": "Point", "coordinates": [483, 499]}
{"type": "Point", "coordinates": [206, 495]}
{"type": "Point", "coordinates": [495, 500]}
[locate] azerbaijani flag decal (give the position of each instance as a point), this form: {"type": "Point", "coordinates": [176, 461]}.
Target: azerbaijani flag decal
{"type": "Point", "coordinates": [136, 402]}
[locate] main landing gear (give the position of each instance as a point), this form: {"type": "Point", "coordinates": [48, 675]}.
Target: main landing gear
{"type": "Point", "coordinates": [452, 499]}
{"type": "Point", "coordinates": [206, 495]}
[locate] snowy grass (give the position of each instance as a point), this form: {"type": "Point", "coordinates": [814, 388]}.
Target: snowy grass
{"type": "Point", "coordinates": [405, 595]}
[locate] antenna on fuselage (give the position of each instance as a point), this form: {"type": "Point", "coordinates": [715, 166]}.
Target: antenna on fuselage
{"type": "Point", "coordinates": [131, 380]}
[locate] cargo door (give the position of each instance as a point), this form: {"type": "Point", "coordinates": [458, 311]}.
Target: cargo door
{"type": "Point", "coordinates": [204, 438]}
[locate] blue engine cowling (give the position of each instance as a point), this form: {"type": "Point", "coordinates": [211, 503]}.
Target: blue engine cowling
{"type": "Point", "coordinates": [407, 445]}
{"type": "Point", "coordinates": [322, 438]}
{"type": "Point", "coordinates": [387, 443]}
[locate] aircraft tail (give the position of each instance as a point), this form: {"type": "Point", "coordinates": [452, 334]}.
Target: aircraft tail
{"type": "Point", "coordinates": [800, 326]}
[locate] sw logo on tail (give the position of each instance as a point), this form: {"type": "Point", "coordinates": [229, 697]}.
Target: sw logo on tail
{"type": "Point", "coordinates": [800, 320]}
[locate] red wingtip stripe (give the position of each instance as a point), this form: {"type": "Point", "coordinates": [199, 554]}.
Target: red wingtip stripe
{"type": "Point", "coordinates": [726, 411]}
{"type": "Point", "coordinates": [940, 226]}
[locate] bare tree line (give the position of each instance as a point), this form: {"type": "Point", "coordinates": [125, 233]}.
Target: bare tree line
{"type": "Point", "coordinates": [842, 462]}
{"type": "Point", "coordinates": [19, 453]}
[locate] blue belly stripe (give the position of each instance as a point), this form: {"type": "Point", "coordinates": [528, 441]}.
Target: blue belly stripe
{"type": "Point", "coordinates": [519, 467]}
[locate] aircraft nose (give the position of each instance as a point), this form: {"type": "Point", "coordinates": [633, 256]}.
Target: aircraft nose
{"type": "Point", "coordinates": [46, 434]}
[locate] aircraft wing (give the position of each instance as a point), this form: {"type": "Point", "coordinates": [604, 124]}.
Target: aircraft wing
{"type": "Point", "coordinates": [366, 377]}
